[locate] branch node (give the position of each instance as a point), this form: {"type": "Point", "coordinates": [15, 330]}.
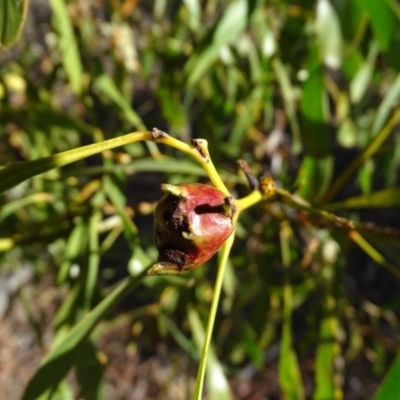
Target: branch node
{"type": "Point", "coordinates": [201, 146]}
{"type": "Point", "coordinates": [158, 134]}
{"type": "Point", "coordinates": [253, 181]}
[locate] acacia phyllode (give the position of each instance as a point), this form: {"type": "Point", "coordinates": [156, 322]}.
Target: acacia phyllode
{"type": "Point", "coordinates": [191, 222]}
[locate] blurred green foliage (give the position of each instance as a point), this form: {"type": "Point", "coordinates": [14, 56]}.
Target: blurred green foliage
{"type": "Point", "coordinates": [307, 92]}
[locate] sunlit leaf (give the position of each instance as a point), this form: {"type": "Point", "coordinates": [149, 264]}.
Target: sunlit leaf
{"type": "Point", "coordinates": [329, 33]}
{"type": "Point", "coordinates": [67, 44]}
{"type": "Point", "coordinates": [107, 87]}
{"type": "Point", "coordinates": [61, 358]}
{"type": "Point", "coordinates": [218, 385]}
{"type": "Point", "coordinates": [226, 31]}
{"type": "Point", "coordinates": [12, 18]}
{"type": "Point", "coordinates": [390, 387]}
{"type": "Point", "coordinates": [317, 166]}
{"type": "Point", "coordinates": [14, 173]}
{"type": "Point", "coordinates": [327, 351]}
{"type": "Point", "coordinates": [381, 16]}
{"type": "Point", "coordinates": [360, 82]}
{"type": "Point", "coordinates": [289, 370]}
{"type": "Point", "coordinates": [290, 99]}
{"type": "Point", "coordinates": [390, 100]}
{"type": "Point", "coordinates": [389, 197]}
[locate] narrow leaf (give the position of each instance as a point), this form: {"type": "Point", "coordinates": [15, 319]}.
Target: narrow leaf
{"type": "Point", "coordinates": [12, 18]}
{"type": "Point", "coordinates": [389, 197]}
{"type": "Point", "coordinates": [67, 44]}
{"type": "Point", "coordinates": [217, 382]}
{"type": "Point", "coordinates": [107, 87]}
{"type": "Point", "coordinates": [224, 32]}
{"type": "Point", "coordinates": [390, 387]}
{"type": "Point", "coordinates": [61, 358]}
{"type": "Point", "coordinates": [368, 152]}
{"type": "Point", "coordinates": [14, 173]}
{"type": "Point", "coordinates": [327, 351]}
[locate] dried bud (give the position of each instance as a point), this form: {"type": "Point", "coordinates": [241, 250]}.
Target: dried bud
{"type": "Point", "coordinates": [191, 222]}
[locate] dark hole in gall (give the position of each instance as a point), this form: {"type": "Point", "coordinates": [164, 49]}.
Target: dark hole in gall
{"type": "Point", "coordinates": [167, 215]}
{"type": "Point", "coordinates": [209, 209]}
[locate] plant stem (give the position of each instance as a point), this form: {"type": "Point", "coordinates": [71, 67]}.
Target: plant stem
{"type": "Point", "coordinates": [248, 201]}
{"type": "Point", "coordinates": [200, 153]}
{"type": "Point", "coordinates": [225, 250]}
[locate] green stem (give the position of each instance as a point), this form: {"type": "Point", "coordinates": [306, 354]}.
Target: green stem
{"type": "Point", "coordinates": [248, 201]}
{"type": "Point", "coordinates": [225, 250]}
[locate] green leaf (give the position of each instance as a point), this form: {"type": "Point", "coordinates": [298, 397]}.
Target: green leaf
{"type": "Point", "coordinates": [94, 258]}
{"type": "Point", "coordinates": [60, 359]}
{"type": "Point", "coordinates": [317, 166]}
{"type": "Point", "coordinates": [373, 146]}
{"type": "Point", "coordinates": [12, 18]}
{"type": "Point", "coordinates": [329, 33]}
{"type": "Point", "coordinates": [218, 385]}
{"type": "Point", "coordinates": [389, 197]}
{"type": "Point", "coordinates": [9, 208]}
{"type": "Point", "coordinates": [314, 176]}
{"type": "Point", "coordinates": [118, 198]}
{"type": "Point", "coordinates": [289, 371]}
{"type": "Point", "coordinates": [89, 371]}
{"type": "Point", "coordinates": [226, 31]}
{"type": "Point", "coordinates": [290, 101]}
{"type": "Point", "coordinates": [67, 44]}
{"type": "Point", "coordinates": [107, 87]}
{"type": "Point", "coordinates": [362, 79]}
{"type": "Point", "coordinates": [14, 173]}
{"type": "Point", "coordinates": [390, 100]}
{"type": "Point", "coordinates": [383, 21]}
{"type": "Point", "coordinates": [390, 387]}
{"type": "Point", "coordinates": [352, 17]}
{"type": "Point", "coordinates": [75, 247]}
{"type": "Point", "coordinates": [327, 351]}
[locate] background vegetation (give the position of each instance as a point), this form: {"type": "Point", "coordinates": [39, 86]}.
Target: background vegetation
{"type": "Point", "coordinates": [306, 92]}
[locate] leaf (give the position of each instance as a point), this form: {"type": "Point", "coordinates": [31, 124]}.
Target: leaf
{"type": "Point", "coordinates": [317, 166]}
{"type": "Point", "coordinates": [352, 17]}
{"type": "Point", "coordinates": [107, 87]}
{"type": "Point", "coordinates": [9, 208]}
{"type": "Point", "coordinates": [361, 81]}
{"type": "Point", "coordinates": [12, 19]}
{"type": "Point", "coordinates": [383, 251]}
{"type": "Point", "coordinates": [290, 101]}
{"type": "Point", "coordinates": [390, 100]}
{"type": "Point", "coordinates": [218, 385]}
{"type": "Point", "coordinates": [75, 247]}
{"type": "Point", "coordinates": [389, 197]}
{"type": "Point", "coordinates": [383, 21]}
{"type": "Point", "coordinates": [89, 371]}
{"type": "Point", "coordinates": [314, 176]}
{"type": "Point", "coordinates": [67, 44]}
{"type": "Point", "coordinates": [373, 146]}
{"type": "Point", "coordinates": [390, 387]}
{"type": "Point", "coordinates": [289, 371]}
{"type": "Point", "coordinates": [329, 33]}
{"type": "Point", "coordinates": [94, 258]}
{"type": "Point", "coordinates": [60, 359]}
{"type": "Point", "coordinates": [14, 173]}
{"type": "Point", "coordinates": [226, 31]}
{"type": "Point", "coordinates": [118, 199]}
{"type": "Point", "coordinates": [327, 351]}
